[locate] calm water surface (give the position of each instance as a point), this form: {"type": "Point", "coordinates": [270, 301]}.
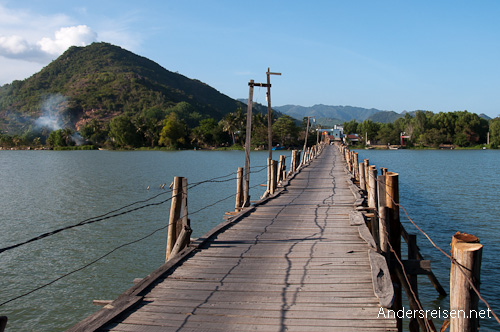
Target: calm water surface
{"type": "Point", "coordinates": [44, 190]}
{"type": "Point", "coordinates": [443, 191]}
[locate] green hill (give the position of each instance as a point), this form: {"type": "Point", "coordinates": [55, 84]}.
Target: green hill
{"type": "Point", "coordinates": [102, 81]}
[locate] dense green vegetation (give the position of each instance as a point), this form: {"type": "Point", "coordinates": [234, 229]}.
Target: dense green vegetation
{"type": "Point", "coordinates": [89, 86]}
{"type": "Point", "coordinates": [178, 127]}
{"type": "Point", "coordinates": [427, 129]}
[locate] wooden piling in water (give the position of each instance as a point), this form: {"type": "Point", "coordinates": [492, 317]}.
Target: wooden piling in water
{"type": "Point", "coordinates": [175, 211]}
{"type": "Point", "coordinates": [467, 252]}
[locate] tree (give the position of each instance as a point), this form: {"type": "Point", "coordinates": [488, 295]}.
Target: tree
{"type": "Point", "coordinates": [95, 131]}
{"type": "Point", "coordinates": [232, 123]}
{"type": "Point", "coordinates": [351, 127]}
{"type": "Point", "coordinates": [60, 137]}
{"type": "Point", "coordinates": [207, 133]}
{"type": "Point", "coordinates": [286, 130]}
{"type": "Point", "coordinates": [470, 129]}
{"type": "Point", "coordinates": [388, 134]}
{"type": "Point", "coordinates": [123, 132]}
{"type": "Point", "coordinates": [174, 132]}
{"type": "Point", "coordinates": [369, 129]}
{"type": "Point", "coordinates": [495, 132]}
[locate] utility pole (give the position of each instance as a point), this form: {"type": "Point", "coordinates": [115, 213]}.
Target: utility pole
{"type": "Point", "coordinates": [248, 136]}
{"type": "Point", "coordinates": [246, 198]}
{"type": "Point", "coordinates": [269, 119]}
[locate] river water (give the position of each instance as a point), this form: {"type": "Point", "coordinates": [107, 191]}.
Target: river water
{"type": "Point", "coordinates": [443, 191]}
{"type": "Point", "coordinates": [45, 190]}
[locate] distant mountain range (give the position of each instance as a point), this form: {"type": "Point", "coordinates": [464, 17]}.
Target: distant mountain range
{"type": "Point", "coordinates": [331, 115]}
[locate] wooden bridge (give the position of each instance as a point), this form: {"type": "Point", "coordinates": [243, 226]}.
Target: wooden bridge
{"type": "Point", "coordinates": [292, 262]}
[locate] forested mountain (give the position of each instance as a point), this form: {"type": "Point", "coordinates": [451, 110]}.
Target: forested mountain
{"type": "Point", "coordinates": [326, 114]}
{"type": "Point", "coordinates": [102, 81]}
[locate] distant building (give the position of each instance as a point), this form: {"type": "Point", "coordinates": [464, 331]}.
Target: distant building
{"type": "Point", "coordinates": [351, 138]}
{"type": "Point", "coordinates": [334, 134]}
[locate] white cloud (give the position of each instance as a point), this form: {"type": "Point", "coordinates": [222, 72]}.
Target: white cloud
{"type": "Point", "coordinates": [29, 39]}
{"type": "Point", "coordinates": [17, 47]}
{"type": "Point", "coordinates": [80, 35]}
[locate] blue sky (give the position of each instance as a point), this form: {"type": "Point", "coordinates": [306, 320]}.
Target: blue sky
{"type": "Point", "coordinates": [390, 55]}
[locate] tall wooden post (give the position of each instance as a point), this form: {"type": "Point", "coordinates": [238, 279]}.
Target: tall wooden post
{"type": "Point", "coordinates": [467, 252]}
{"type": "Point", "coordinates": [269, 111]}
{"type": "Point", "coordinates": [239, 190]}
{"type": "Point", "coordinates": [175, 212]}
{"type": "Point", "coordinates": [246, 199]}
{"type": "Point", "coordinates": [392, 201]}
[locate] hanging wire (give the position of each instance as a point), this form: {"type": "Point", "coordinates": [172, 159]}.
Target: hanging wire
{"type": "Point", "coordinates": [115, 213]}
{"type": "Point", "coordinates": [107, 216]}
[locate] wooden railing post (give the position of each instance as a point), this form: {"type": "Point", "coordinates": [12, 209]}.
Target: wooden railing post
{"type": "Point", "coordinates": [184, 208]}
{"type": "Point", "coordinates": [175, 213]}
{"type": "Point", "coordinates": [356, 167]}
{"type": "Point", "coordinates": [281, 167]}
{"type": "Point", "coordinates": [269, 171]}
{"type": "Point", "coordinates": [467, 252]}
{"type": "Point", "coordinates": [383, 228]}
{"type": "Point", "coordinates": [412, 254]}
{"type": "Point", "coordinates": [273, 180]}
{"type": "Point", "coordinates": [392, 201]}
{"type": "Point", "coordinates": [367, 183]}
{"type": "Point", "coordinates": [362, 182]}
{"type": "Point", "coordinates": [3, 323]}
{"type": "Point", "coordinates": [373, 201]}
{"type": "Point", "coordinates": [239, 190]}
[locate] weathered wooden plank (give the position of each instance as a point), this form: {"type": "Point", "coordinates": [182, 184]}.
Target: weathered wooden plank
{"type": "Point", "coordinates": [167, 319]}
{"type": "Point", "coordinates": [295, 263]}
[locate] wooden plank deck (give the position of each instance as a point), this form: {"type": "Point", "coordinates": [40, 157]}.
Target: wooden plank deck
{"type": "Point", "coordinates": [293, 264]}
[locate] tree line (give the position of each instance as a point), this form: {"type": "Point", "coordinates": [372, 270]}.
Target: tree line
{"type": "Point", "coordinates": [180, 126]}
{"type": "Point", "coordinates": [428, 129]}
